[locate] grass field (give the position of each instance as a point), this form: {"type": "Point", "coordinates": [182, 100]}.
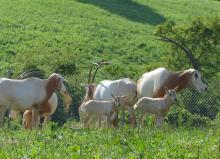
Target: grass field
{"type": "Point", "coordinates": [54, 32]}
{"type": "Point", "coordinates": [72, 142]}
{"type": "Point", "coordinates": [50, 33]}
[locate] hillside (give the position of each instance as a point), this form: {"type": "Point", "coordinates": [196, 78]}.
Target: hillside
{"type": "Point", "coordinates": [62, 34]}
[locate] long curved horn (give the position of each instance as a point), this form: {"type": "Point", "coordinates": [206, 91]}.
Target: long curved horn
{"type": "Point", "coordinates": [100, 64]}
{"type": "Point", "coordinates": [185, 49]}
{"type": "Point", "coordinates": [21, 75]}
{"type": "Point", "coordinates": [24, 73]}
{"type": "Point", "coordinates": [90, 71]}
{"type": "Point", "coordinates": [33, 74]}
{"type": "Point", "coordinates": [30, 73]}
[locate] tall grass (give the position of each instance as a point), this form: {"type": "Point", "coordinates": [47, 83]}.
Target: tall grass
{"type": "Point", "coordinates": [72, 142]}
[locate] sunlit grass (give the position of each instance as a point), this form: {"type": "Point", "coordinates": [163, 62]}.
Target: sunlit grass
{"type": "Point", "coordinates": [72, 142]}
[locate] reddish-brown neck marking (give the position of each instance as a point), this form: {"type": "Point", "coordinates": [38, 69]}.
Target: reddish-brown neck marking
{"type": "Point", "coordinates": [176, 79]}
{"type": "Point", "coordinates": [51, 85]}
{"type": "Point", "coordinates": [46, 108]}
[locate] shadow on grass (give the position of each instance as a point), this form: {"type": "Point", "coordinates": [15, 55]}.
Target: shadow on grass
{"type": "Point", "coordinates": [129, 9]}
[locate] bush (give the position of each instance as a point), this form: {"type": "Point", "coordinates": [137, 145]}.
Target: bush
{"type": "Point", "coordinates": [182, 117]}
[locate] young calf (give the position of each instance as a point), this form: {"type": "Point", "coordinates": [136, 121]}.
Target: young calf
{"type": "Point", "coordinates": [101, 108]}
{"type": "Point", "coordinates": [157, 106]}
{"type": "Point", "coordinates": [46, 112]}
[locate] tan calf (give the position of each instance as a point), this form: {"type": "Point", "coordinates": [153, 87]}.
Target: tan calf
{"type": "Point", "coordinates": [101, 108]}
{"type": "Point", "coordinates": [47, 109]}
{"type": "Point", "coordinates": [157, 106]}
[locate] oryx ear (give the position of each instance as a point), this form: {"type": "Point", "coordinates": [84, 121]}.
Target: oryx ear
{"type": "Point", "coordinates": [113, 96]}
{"type": "Point", "coordinates": [166, 89]}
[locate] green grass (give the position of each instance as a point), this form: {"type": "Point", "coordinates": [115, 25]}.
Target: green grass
{"type": "Point", "coordinates": [72, 142]}
{"type": "Point", "coordinates": [53, 32]}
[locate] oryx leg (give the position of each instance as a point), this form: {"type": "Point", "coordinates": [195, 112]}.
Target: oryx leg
{"type": "Point", "coordinates": [99, 118]}
{"type": "Point", "coordinates": [86, 121]}
{"type": "Point", "coordinates": [162, 118]}
{"type": "Point", "coordinates": [81, 114]}
{"type": "Point", "coordinates": [1, 116]}
{"type": "Point", "coordinates": [132, 115]}
{"type": "Point", "coordinates": [114, 119]}
{"type": "Point", "coordinates": [108, 121]}
{"type": "Point", "coordinates": [123, 118]}
{"type": "Point", "coordinates": [35, 118]}
{"type": "Point", "coordinates": [158, 119]}
{"type": "Point", "coordinates": [46, 119]}
{"type": "Point", "coordinates": [142, 119]}
{"type": "Point", "coordinates": [3, 110]}
{"type": "Point", "coordinates": [27, 120]}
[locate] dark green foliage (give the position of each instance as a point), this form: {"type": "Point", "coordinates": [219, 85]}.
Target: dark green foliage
{"type": "Point", "coordinates": [196, 109]}
{"type": "Point", "coordinates": [120, 71]}
{"type": "Point", "coordinates": [182, 117]}
{"type": "Point", "coordinates": [202, 37]}
{"type": "Point", "coordinates": [59, 116]}
{"type": "Point", "coordinates": [67, 69]}
{"type": "Point", "coordinates": [206, 104]}
{"type": "Point", "coordinates": [62, 114]}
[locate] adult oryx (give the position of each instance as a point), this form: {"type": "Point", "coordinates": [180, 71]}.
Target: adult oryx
{"type": "Point", "coordinates": [152, 84]}
{"type": "Point", "coordinates": [122, 87]}
{"type": "Point", "coordinates": [31, 93]}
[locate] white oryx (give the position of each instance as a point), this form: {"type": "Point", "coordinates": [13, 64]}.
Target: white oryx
{"type": "Point", "coordinates": [122, 87]}
{"type": "Point", "coordinates": [47, 110]}
{"type": "Point", "coordinates": [31, 93]}
{"type": "Point", "coordinates": [101, 108]}
{"type": "Point", "coordinates": [157, 106]}
{"type": "Point", "coordinates": [152, 83]}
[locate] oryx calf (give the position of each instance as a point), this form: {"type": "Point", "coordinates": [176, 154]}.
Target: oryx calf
{"type": "Point", "coordinates": [90, 87]}
{"type": "Point", "coordinates": [157, 106]}
{"type": "Point", "coordinates": [102, 108]}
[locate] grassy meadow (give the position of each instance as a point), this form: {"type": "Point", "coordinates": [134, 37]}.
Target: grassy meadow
{"type": "Point", "coordinates": [47, 34]}
{"type": "Point", "coordinates": [64, 35]}
{"type": "Point", "coordinates": [71, 141]}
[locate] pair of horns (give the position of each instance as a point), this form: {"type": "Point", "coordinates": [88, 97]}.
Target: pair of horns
{"type": "Point", "coordinates": [30, 73]}
{"type": "Point", "coordinates": [98, 65]}
{"type": "Point", "coordinates": [185, 49]}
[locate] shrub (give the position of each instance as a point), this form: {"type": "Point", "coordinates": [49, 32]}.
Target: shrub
{"type": "Point", "coordinates": [182, 117]}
